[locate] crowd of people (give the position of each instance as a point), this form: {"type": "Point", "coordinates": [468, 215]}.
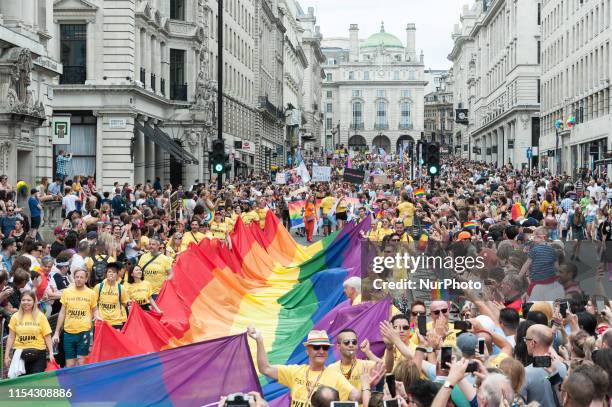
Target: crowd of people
{"type": "Point", "coordinates": [537, 332]}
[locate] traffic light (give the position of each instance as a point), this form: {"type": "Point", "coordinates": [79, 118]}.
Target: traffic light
{"type": "Point", "coordinates": [218, 157]}
{"type": "Point", "coordinates": [433, 159]}
{"type": "Point", "coordinates": [424, 149]}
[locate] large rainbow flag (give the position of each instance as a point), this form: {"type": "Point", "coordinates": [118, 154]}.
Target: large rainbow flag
{"type": "Point", "coordinates": [266, 280]}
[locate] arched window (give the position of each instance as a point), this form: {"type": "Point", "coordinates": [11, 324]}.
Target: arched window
{"type": "Point", "coordinates": [405, 115]}
{"type": "Point", "coordinates": [357, 123]}
{"type": "Point", "coordinates": [381, 115]}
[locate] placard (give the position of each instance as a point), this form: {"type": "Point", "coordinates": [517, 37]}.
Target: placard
{"type": "Point", "coordinates": [280, 178]}
{"type": "Point", "coordinates": [381, 180]}
{"type": "Point", "coordinates": [321, 174]}
{"type": "Point", "coordinates": [353, 175]}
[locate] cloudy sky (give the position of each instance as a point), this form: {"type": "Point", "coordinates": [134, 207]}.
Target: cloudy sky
{"type": "Point", "coordinates": [434, 20]}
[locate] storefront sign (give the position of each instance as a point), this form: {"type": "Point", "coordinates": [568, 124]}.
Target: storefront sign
{"type": "Point", "coordinates": [248, 147]}
{"type": "Point", "coordinates": [114, 123]}
{"type": "Point", "coordinates": [61, 130]}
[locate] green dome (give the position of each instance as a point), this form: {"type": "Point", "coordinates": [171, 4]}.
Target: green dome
{"type": "Point", "coordinates": [387, 40]}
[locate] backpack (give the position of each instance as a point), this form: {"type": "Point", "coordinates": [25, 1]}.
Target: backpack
{"type": "Point", "coordinates": [98, 271]}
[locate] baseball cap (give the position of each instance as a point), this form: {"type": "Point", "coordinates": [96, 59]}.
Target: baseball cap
{"type": "Point", "coordinates": [92, 234]}
{"type": "Point", "coordinates": [464, 236]}
{"type": "Point", "coordinates": [467, 343]}
{"type": "Point", "coordinates": [58, 231]}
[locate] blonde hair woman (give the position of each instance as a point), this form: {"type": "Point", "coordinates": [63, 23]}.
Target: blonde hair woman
{"type": "Point", "coordinates": [30, 333]}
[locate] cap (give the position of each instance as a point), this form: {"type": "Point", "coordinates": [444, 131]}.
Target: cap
{"type": "Point", "coordinates": [317, 338]}
{"type": "Point", "coordinates": [464, 236]}
{"type": "Point", "coordinates": [58, 231]}
{"type": "Point", "coordinates": [467, 343]}
{"type": "Point", "coordinates": [92, 234]}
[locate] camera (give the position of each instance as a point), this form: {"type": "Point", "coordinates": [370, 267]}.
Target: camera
{"type": "Point", "coordinates": [238, 399]}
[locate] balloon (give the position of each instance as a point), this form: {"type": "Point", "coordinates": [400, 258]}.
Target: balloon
{"type": "Point", "coordinates": [559, 124]}
{"type": "Point", "coordinates": [22, 187]}
{"type": "Point", "coordinates": [571, 121]}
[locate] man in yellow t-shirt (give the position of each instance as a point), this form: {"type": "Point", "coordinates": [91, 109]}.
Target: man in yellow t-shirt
{"type": "Point", "coordinates": [348, 365]}
{"type": "Point", "coordinates": [406, 210]}
{"type": "Point", "coordinates": [248, 214]}
{"type": "Point", "coordinates": [326, 204]}
{"type": "Point", "coordinates": [112, 298]}
{"type": "Point", "coordinates": [304, 380]}
{"type": "Point", "coordinates": [78, 309]}
{"type": "Point", "coordinates": [194, 235]}
{"type": "Point", "coordinates": [156, 266]}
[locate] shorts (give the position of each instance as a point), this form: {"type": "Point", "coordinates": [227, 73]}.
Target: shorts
{"type": "Point", "coordinates": [341, 216]}
{"type": "Point", "coordinates": [76, 345]}
{"type": "Point", "coordinates": [590, 219]}
{"type": "Point", "coordinates": [35, 222]}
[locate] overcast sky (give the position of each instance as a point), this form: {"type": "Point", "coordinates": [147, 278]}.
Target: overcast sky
{"type": "Point", "coordinates": [434, 21]}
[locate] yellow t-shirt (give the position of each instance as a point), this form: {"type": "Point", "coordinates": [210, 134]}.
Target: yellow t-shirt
{"type": "Point", "coordinates": [327, 203]}
{"type": "Point", "coordinates": [30, 334]}
{"type": "Point", "coordinates": [248, 217]}
{"type": "Point", "coordinates": [189, 237]}
{"type": "Point", "coordinates": [262, 216]}
{"type": "Point", "coordinates": [156, 271]}
{"type": "Point", "coordinates": [108, 302]}
{"type": "Point", "coordinates": [140, 292]}
{"type": "Point", "coordinates": [298, 378]}
{"type": "Point", "coordinates": [170, 252]}
{"type": "Point", "coordinates": [231, 221]}
{"type": "Point", "coordinates": [494, 361]}
{"type": "Point", "coordinates": [354, 370]}
{"type": "Point", "coordinates": [406, 212]}
{"type": "Point", "coordinates": [341, 206]}
{"type": "Point", "coordinates": [451, 338]}
{"type": "Point", "coordinates": [382, 232]}
{"type": "Point", "coordinates": [79, 305]}
{"type": "Point", "coordinates": [218, 230]}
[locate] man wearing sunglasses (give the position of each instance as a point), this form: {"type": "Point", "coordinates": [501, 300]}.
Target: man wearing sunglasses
{"type": "Point", "coordinates": [304, 380]}
{"type": "Point", "coordinates": [439, 312]}
{"type": "Point", "coordinates": [349, 365]}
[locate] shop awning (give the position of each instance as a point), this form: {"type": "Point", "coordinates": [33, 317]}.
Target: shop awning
{"type": "Point", "coordinates": [165, 142]}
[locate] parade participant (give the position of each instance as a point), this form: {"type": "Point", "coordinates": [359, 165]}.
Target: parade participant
{"type": "Point", "coordinates": [310, 217]}
{"type": "Point", "coordinates": [112, 297]}
{"type": "Point", "coordinates": [304, 380]}
{"type": "Point", "coordinates": [156, 267]}
{"type": "Point", "coordinates": [542, 266]}
{"type": "Point", "coordinates": [97, 263]}
{"type": "Point", "coordinates": [173, 247]}
{"type": "Point", "coordinates": [77, 311]}
{"type": "Point", "coordinates": [218, 227]}
{"type": "Point", "coordinates": [352, 290]}
{"type": "Point", "coordinates": [140, 290]}
{"type": "Point", "coordinates": [248, 214]}
{"type": "Point", "coordinates": [192, 236]}
{"type": "Point", "coordinates": [349, 365]}
{"type": "Point", "coordinates": [262, 210]}
{"type": "Point", "coordinates": [29, 335]}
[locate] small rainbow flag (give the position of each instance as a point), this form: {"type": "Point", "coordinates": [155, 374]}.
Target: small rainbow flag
{"type": "Point", "coordinates": [518, 211]}
{"type": "Point", "coordinates": [439, 294]}
{"type": "Point", "coordinates": [470, 225]}
{"type": "Point", "coordinates": [419, 193]}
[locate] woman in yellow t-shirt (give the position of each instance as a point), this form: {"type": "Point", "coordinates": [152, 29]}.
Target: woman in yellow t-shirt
{"type": "Point", "coordinates": [140, 291]}
{"type": "Point", "coordinates": [173, 247]}
{"type": "Point", "coordinates": [30, 332]}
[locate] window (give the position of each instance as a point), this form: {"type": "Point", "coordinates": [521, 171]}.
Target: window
{"type": "Point", "coordinates": [396, 75]}
{"type": "Point", "coordinates": [411, 75]}
{"type": "Point", "coordinates": [356, 93]}
{"type": "Point", "coordinates": [328, 108]}
{"type": "Point", "coordinates": [380, 93]}
{"type": "Point", "coordinates": [539, 51]}
{"type": "Point", "coordinates": [328, 77]}
{"type": "Point", "coordinates": [73, 53]}
{"type": "Point", "coordinates": [178, 87]}
{"type": "Point", "coordinates": [381, 114]}
{"type": "Point", "coordinates": [328, 123]}
{"type": "Point", "coordinates": [177, 9]}
{"type": "Point", "coordinates": [357, 123]}
{"type": "Point", "coordinates": [329, 94]}
{"type": "Point", "coordinates": [351, 75]}
{"type": "Point", "coordinates": [539, 13]}
{"type": "Point", "coordinates": [331, 61]}
{"type": "Point", "coordinates": [366, 76]}
{"type": "Point", "coordinates": [538, 86]}
{"type": "Point", "coordinates": [82, 145]}
{"type": "Point", "coordinates": [405, 115]}
{"type": "Point", "coordinates": [406, 93]}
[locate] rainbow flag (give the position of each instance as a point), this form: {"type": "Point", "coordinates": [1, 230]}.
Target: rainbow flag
{"type": "Point", "coordinates": [518, 211]}
{"type": "Point", "coordinates": [419, 193]}
{"type": "Point", "coordinates": [439, 294]}
{"type": "Point", "coordinates": [470, 225]}
{"type": "Point", "coordinates": [193, 375]}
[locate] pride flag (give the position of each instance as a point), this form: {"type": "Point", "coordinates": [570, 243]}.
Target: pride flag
{"type": "Point", "coordinates": [419, 193]}
{"type": "Point", "coordinates": [518, 211]}
{"type": "Point", "coordinates": [470, 225]}
{"type": "Point", "coordinates": [193, 375]}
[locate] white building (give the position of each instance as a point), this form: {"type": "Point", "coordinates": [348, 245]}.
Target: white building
{"type": "Point", "coordinates": [502, 75]}
{"type": "Point", "coordinates": [576, 74]}
{"type": "Point", "coordinates": [28, 71]}
{"type": "Point", "coordinates": [373, 94]}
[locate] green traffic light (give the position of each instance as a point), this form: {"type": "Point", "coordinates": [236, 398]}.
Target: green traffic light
{"type": "Point", "coordinates": [219, 167]}
{"type": "Point", "coordinates": [433, 170]}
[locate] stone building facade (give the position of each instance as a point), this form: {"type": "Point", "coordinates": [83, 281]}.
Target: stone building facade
{"type": "Point", "coordinates": [439, 114]}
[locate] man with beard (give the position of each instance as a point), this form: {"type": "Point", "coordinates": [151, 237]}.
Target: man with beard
{"type": "Point", "coordinates": [349, 365]}
{"type": "Point", "coordinates": [304, 380]}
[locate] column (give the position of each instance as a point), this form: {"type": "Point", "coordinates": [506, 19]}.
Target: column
{"type": "Point", "coordinates": [137, 55]}
{"type": "Point", "coordinates": [160, 66]}
{"type": "Point", "coordinates": [90, 54]}
{"type": "Point", "coordinates": [99, 152]}
{"type": "Point", "coordinates": [139, 157]}
{"type": "Point", "coordinates": [150, 160]}
{"type": "Point", "coordinates": [151, 58]}
{"type": "Point", "coordinates": [147, 58]}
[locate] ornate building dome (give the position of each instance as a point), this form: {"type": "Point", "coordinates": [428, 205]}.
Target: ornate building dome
{"type": "Point", "coordinates": [382, 38]}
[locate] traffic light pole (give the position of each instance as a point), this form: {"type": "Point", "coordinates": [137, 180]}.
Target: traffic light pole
{"type": "Point", "coordinates": [220, 81]}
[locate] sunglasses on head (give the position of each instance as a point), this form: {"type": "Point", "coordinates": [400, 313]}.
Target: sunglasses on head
{"type": "Point", "coordinates": [402, 327]}
{"type": "Point", "coordinates": [437, 312]}
{"type": "Point", "coordinates": [319, 347]}
{"type": "Point", "coordinates": [350, 341]}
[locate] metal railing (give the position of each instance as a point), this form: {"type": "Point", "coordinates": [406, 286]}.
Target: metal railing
{"type": "Point", "coordinates": [143, 76]}
{"type": "Point", "coordinates": [73, 75]}
{"type": "Point", "coordinates": [405, 126]}
{"type": "Point", "coordinates": [178, 92]}
{"type": "Point", "coordinates": [357, 126]}
{"type": "Point", "coordinates": [153, 81]}
{"type": "Point", "coordinates": [162, 86]}
{"type": "Point", "coordinates": [381, 126]}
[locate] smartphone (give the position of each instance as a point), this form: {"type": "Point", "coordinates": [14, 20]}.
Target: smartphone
{"type": "Point", "coordinates": [462, 325]}
{"type": "Point", "coordinates": [600, 303]}
{"type": "Point", "coordinates": [446, 357]}
{"type": "Point", "coordinates": [344, 404]}
{"type": "Point", "coordinates": [390, 380]}
{"type": "Point", "coordinates": [481, 346]}
{"type": "Point", "coordinates": [379, 387]}
{"type": "Point", "coordinates": [472, 367]}
{"type": "Point", "coordinates": [526, 307]}
{"type": "Point", "coordinates": [390, 403]}
{"type": "Point", "coordinates": [563, 306]}
{"type": "Point", "coordinates": [422, 324]}
{"type": "Point", "coordinates": [541, 361]}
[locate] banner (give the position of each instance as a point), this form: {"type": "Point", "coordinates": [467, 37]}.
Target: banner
{"type": "Point", "coordinates": [302, 172]}
{"type": "Point", "coordinates": [321, 174]}
{"type": "Point", "coordinates": [280, 178]}
{"type": "Point", "coordinates": [353, 176]}
{"type": "Point", "coordinates": [381, 180]}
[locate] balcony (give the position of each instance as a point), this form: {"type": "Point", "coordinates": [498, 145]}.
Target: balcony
{"type": "Point", "coordinates": [405, 126]}
{"type": "Point", "coordinates": [178, 92]}
{"type": "Point", "coordinates": [264, 103]}
{"type": "Point", "coordinates": [357, 126]}
{"type": "Point", "coordinates": [162, 86]}
{"type": "Point", "coordinates": [143, 76]}
{"type": "Point", "coordinates": [153, 82]}
{"type": "Point", "coordinates": [381, 126]}
{"type": "Point", "coordinates": [73, 75]}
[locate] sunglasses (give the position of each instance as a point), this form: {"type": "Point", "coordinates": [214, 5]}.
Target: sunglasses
{"type": "Point", "coordinates": [319, 347]}
{"type": "Point", "coordinates": [437, 312]}
{"type": "Point", "coordinates": [349, 341]}
{"type": "Point", "coordinates": [402, 327]}
{"type": "Point", "coordinates": [416, 314]}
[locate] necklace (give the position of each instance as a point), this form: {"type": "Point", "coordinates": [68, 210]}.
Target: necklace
{"type": "Point", "coordinates": [314, 386]}
{"type": "Point", "coordinates": [348, 373]}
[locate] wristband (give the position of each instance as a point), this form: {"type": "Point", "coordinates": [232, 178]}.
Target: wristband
{"type": "Point", "coordinates": [421, 349]}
